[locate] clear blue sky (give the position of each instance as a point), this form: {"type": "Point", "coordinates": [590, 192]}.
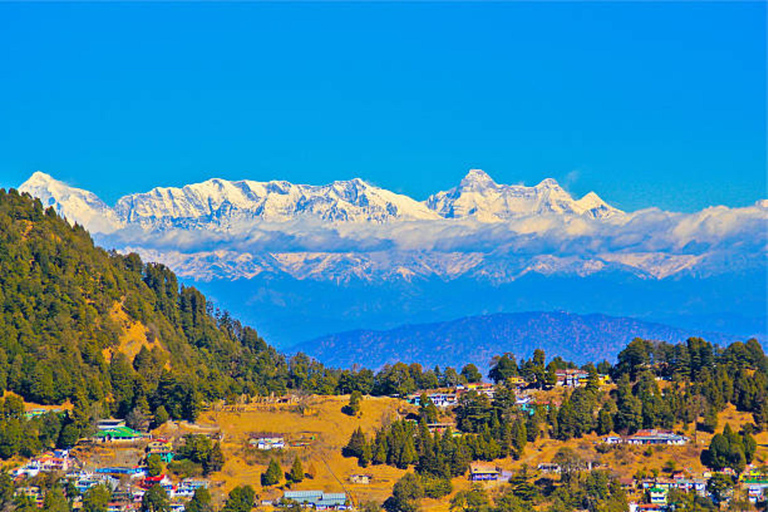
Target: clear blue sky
{"type": "Point", "coordinates": [645, 103]}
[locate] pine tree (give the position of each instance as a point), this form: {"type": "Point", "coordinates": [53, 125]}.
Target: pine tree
{"type": "Point", "coordinates": [354, 405]}
{"type": "Point", "coordinates": [519, 437]}
{"type": "Point", "coordinates": [604, 421]}
{"type": "Point", "coordinates": [214, 461]}
{"type": "Point", "coordinates": [357, 444]}
{"type": "Point", "coordinates": [273, 475]}
{"type": "Point", "coordinates": [200, 502]}
{"type": "Point", "coordinates": [155, 500]}
{"type": "Point", "coordinates": [55, 501]}
{"type": "Point", "coordinates": [297, 471]}
{"type": "Point", "coordinates": [241, 498]}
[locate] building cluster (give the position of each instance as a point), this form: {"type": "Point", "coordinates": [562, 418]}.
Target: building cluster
{"type": "Point", "coordinates": [57, 460]}
{"type": "Point", "coordinates": [127, 483]}
{"type": "Point", "coordinates": [656, 490]}
{"type": "Point", "coordinates": [449, 397]}
{"type": "Point", "coordinates": [446, 398]}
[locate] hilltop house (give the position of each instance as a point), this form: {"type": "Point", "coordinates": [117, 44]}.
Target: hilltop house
{"type": "Point", "coordinates": [161, 447]}
{"type": "Point", "coordinates": [757, 488]}
{"type": "Point", "coordinates": [187, 487]}
{"type": "Point", "coordinates": [118, 434]}
{"type": "Point", "coordinates": [657, 495]}
{"type": "Point", "coordinates": [656, 437]}
{"type": "Point", "coordinates": [267, 443]}
{"type": "Point", "coordinates": [483, 388]}
{"type": "Point", "coordinates": [648, 437]}
{"type": "Point", "coordinates": [110, 423]}
{"type": "Point", "coordinates": [360, 479]}
{"type": "Point", "coordinates": [442, 400]}
{"type": "Point", "coordinates": [319, 500]}
{"type": "Point", "coordinates": [571, 378]}
{"type": "Point", "coordinates": [549, 467]}
{"type": "Point", "coordinates": [57, 460]}
{"type": "Point", "coordinates": [482, 472]}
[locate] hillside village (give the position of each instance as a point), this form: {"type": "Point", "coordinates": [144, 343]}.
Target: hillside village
{"type": "Point", "coordinates": [650, 464]}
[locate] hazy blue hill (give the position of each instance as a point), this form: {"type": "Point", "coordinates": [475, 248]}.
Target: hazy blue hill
{"type": "Point", "coordinates": [290, 311]}
{"type": "Point", "coordinates": [477, 339]}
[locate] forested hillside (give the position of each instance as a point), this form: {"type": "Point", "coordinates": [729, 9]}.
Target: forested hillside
{"type": "Point", "coordinates": [476, 339]}
{"type": "Point", "coordinates": [62, 300]}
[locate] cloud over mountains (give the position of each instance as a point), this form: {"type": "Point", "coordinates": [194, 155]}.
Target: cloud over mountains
{"type": "Point", "coordinates": [351, 230]}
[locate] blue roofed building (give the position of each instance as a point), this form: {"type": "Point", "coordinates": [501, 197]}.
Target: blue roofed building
{"type": "Point", "coordinates": [320, 500]}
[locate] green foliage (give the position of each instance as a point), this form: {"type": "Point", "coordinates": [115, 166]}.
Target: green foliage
{"type": "Point", "coordinates": [427, 409]}
{"type": "Point", "coordinates": [200, 502]}
{"type": "Point", "coordinates": [273, 475]}
{"type": "Point", "coordinates": [406, 494]}
{"type": "Point", "coordinates": [355, 402]}
{"type": "Point", "coordinates": [96, 499]}
{"type": "Point", "coordinates": [199, 449]}
{"type": "Point", "coordinates": [396, 379]}
{"type": "Point", "coordinates": [471, 373]}
{"type": "Point", "coordinates": [473, 500]}
{"type": "Point", "coordinates": [729, 450]}
{"type": "Point", "coordinates": [629, 413]}
{"type": "Point", "coordinates": [436, 487]}
{"type": "Point", "coordinates": [690, 501]}
{"type": "Point", "coordinates": [296, 474]}
{"type": "Point", "coordinates": [55, 501]}
{"type": "Point", "coordinates": [595, 491]}
{"type": "Point", "coordinates": [240, 499]}
{"type": "Point", "coordinates": [155, 500]}
{"type": "Point", "coordinates": [154, 465]}
{"type": "Point", "coordinates": [161, 416]}
{"type": "Point", "coordinates": [720, 486]}
{"type": "Point", "coordinates": [503, 367]}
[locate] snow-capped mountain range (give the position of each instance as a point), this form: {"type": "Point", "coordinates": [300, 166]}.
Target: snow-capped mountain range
{"type": "Point", "coordinates": [351, 255]}
{"type": "Point", "coordinates": [226, 203]}
{"type": "Point", "coordinates": [351, 230]}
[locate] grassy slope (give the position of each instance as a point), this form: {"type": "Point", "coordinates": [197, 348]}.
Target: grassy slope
{"type": "Point", "coordinates": [332, 430]}
{"type": "Point", "coordinates": [323, 420]}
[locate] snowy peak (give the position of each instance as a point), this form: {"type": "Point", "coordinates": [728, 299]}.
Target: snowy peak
{"type": "Point", "coordinates": [220, 201]}
{"type": "Point", "coordinates": [232, 205]}
{"type": "Point", "coordinates": [477, 179]}
{"type": "Point", "coordinates": [479, 197]}
{"type": "Point", "coordinates": [75, 204]}
{"type": "Point", "coordinates": [593, 206]}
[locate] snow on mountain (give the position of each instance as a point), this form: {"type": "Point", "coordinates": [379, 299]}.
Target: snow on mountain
{"type": "Point", "coordinates": [232, 205]}
{"type": "Point", "coordinates": [221, 202]}
{"type": "Point", "coordinates": [349, 231]}
{"type": "Point", "coordinates": [481, 198]}
{"type": "Point", "coordinates": [75, 204]}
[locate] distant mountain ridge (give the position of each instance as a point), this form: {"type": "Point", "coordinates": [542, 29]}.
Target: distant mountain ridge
{"type": "Point", "coordinates": [578, 338]}
{"type": "Point", "coordinates": [218, 201]}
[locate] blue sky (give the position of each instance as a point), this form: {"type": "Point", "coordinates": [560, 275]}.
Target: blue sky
{"type": "Point", "coordinates": [645, 103]}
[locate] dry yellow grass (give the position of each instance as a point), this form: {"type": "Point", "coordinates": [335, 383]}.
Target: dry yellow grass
{"type": "Point", "coordinates": [331, 429]}
{"type": "Point", "coordinates": [134, 335]}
